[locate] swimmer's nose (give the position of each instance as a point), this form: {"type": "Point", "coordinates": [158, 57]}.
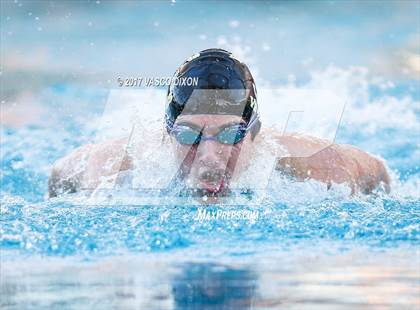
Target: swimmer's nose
{"type": "Point", "coordinates": [208, 153]}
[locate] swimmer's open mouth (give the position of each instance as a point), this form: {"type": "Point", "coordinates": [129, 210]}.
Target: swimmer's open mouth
{"type": "Point", "coordinates": [213, 181]}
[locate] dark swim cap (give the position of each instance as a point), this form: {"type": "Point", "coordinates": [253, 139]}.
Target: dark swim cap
{"type": "Point", "coordinates": [224, 85]}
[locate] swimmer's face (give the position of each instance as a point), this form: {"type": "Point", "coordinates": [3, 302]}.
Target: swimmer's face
{"type": "Point", "coordinates": [211, 163]}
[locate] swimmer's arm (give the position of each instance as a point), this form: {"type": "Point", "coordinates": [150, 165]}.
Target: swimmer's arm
{"type": "Point", "coordinates": [106, 160]}
{"type": "Point", "coordinates": [367, 171]}
{"type": "Point", "coordinates": [67, 172]}
{"type": "Point", "coordinates": [85, 167]}
{"type": "Point", "coordinates": [333, 163]}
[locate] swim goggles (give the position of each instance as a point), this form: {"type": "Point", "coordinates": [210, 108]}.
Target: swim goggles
{"type": "Point", "coordinates": [230, 135]}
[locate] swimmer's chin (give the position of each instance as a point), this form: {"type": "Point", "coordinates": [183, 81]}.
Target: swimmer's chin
{"type": "Point", "coordinates": [212, 187]}
{"type": "Point", "coordinates": [209, 194]}
{"type": "Point", "coordinates": [207, 197]}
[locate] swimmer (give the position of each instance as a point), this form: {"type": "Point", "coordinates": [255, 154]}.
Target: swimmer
{"type": "Point", "coordinates": [209, 125]}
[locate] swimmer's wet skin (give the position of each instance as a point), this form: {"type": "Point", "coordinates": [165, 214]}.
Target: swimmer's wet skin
{"type": "Point", "coordinates": [209, 125]}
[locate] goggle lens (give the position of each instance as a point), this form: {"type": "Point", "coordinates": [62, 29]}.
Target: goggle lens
{"type": "Point", "coordinates": [187, 135]}
{"type": "Point", "coordinates": [230, 135]}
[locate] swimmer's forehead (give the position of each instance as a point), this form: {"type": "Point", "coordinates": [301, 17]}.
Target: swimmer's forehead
{"type": "Point", "coordinates": [209, 120]}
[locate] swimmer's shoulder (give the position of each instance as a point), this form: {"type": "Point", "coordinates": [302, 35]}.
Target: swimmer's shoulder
{"type": "Point", "coordinates": [85, 166]}
{"type": "Point", "coordinates": [66, 172]}
{"type": "Point", "coordinates": [295, 144]}
{"type": "Point", "coordinates": [321, 159]}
